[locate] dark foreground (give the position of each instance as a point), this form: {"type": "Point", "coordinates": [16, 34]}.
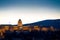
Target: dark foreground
{"type": "Point", "coordinates": [34, 35]}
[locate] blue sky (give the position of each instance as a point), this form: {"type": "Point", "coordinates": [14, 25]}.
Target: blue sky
{"type": "Point", "coordinates": [51, 3]}
{"type": "Point", "coordinates": [28, 10]}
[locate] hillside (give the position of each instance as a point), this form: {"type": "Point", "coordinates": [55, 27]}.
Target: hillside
{"type": "Point", "coordinates": [47, 23]}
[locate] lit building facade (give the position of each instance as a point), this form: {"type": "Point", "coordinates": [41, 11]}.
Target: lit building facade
{"type": "Point", "coordinates": [20, 26]}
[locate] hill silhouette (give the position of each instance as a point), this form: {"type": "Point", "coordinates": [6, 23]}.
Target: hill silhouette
{"type": "Point", "coordinates": [46, 23]}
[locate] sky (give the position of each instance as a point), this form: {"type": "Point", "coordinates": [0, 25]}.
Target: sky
{"type": "Point", "coordinates": [28, 11]}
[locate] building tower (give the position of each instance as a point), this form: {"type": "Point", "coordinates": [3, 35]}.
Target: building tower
{"type": "Point", "coordinates": [19, 24]}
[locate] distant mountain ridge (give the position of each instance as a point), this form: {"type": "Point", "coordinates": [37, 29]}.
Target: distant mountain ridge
{"type": "Point", "coordinates": [46, 23]}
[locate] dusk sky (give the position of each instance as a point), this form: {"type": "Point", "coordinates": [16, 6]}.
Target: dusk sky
{"type": "Point", "coordinates": [28, 11]}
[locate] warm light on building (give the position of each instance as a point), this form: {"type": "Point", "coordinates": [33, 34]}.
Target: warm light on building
{"type": "Point", "coordinates": [15, 28]}
{"type": "Point", "coordinates": [44, 29]}
{"type": "Point", "coordinates": [36, 28]}
{"type": "Point", "coordinates": [20, 26]}
{"type": "Point", "coordinates": [6, 27]}
{"type": "Point", "coordinates": [25, 28]}
{"type": "Point", "coordinates": [3, 30]}
{"type": "Point", "coordinates": [19, 23]}
{"type": "Point", "coordinates": [0, 30]}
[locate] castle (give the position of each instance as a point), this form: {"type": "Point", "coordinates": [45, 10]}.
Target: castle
{"type": "Point", "coordinates": [20, 27]}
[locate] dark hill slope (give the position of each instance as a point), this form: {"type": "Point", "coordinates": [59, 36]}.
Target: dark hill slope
{"type": "Point", "coordinates": [46, 23]}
